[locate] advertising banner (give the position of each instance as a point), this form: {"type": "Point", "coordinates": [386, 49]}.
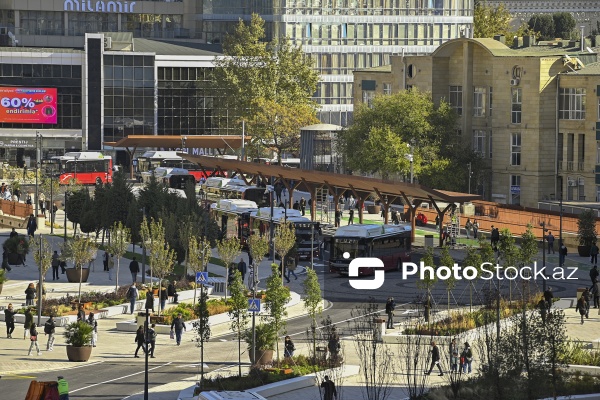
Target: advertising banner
{"type": "Point", "coordinates": [28, 105]}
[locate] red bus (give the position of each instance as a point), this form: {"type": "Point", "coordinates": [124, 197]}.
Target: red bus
{"type": "Point", "coordinates": [85, 167]}
{"type": "Point", "coordinates": [390, 243]}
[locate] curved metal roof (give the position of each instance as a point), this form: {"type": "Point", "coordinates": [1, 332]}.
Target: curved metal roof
{"type": "Point", "coordinates": [322, 127]}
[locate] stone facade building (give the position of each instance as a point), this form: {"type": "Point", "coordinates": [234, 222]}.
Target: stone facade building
{"type": "Point", "coordinates": [532, 113]}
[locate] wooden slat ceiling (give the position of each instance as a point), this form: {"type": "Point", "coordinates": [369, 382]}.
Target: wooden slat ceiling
{"type": "Point", "coordinates": [174, 141]}
{"type": "Point", "coordinates": [339, 181]}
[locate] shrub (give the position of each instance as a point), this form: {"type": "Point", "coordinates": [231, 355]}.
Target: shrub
{"type": "Point", "coordinates": [78, 334]}
{"type": "Point", "coordinates": [18, 244]}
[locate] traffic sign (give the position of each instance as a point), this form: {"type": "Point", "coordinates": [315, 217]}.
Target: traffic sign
{"type": "Point", "coordinates": [202, 278]}
{"type": "Point", "coordinates": [254, 305]}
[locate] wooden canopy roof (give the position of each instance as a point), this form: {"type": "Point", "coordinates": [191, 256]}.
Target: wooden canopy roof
{"type": "Point", "coordinates": [175, 141]}
{"type": "Point", "coordinates": [333, 180]}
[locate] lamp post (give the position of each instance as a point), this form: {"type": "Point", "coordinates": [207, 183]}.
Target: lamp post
{"type": "Point", "coordinates": [271, 227]}
{"type": "Point", "coordinates": [470, 175]}
{"type": "Point", "coordinates": [51, 204]}
{"type": "Point", "coordinates": [40, 285]}
{"type": "Point", "coordinates": [543, 224]}
{"type": "Point", "coordinates": [183, 139]}
{"type": "Point", "coordinates": [38, 145]}
{"type": "Point", "coordinates": [560, 233]}
{"type": "Point", "coordinates": [65, 212]}
{"type": "Point", "coordinates": [143, 210]}
{"type": "Point", "coordinates": [410, 158]}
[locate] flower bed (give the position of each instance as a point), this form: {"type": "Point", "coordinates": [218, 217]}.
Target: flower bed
{"type": "Point", "coordinates": [215, 306]}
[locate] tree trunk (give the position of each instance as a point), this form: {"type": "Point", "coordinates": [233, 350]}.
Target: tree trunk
{"type": "Point", "coordinates": [117, 277]}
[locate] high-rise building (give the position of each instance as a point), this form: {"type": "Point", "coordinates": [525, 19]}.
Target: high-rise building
{"type": "Point", "coordinates": [340, 35]}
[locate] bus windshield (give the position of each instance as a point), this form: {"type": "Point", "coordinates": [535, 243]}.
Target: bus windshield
{"type": "Point", "coordinates": [355, 247]}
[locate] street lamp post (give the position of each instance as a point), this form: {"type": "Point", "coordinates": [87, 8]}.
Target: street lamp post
{"type": "Point", "coordinates": [40, 285]}
{"type": "Point", "coordinates": [543, 224]}
{"type": "Point", "coordinates": [411, 159]}
{"type": "Point", "coordinates": [65, 212]}
{"type": "Point", "coordinates": [271, 227]}
{"type": "Point", "coordinates": [38, 144]}
{"type": "Point", "coordinates": [183, 139]}
{"type": "Point", "coordinates": [51, 204]}
{"type": "Point", "coordinates": [470, 175]}
{"type": "Point", "coordinates": [143, 251]}
{"type": "Point", "coordinates": [560, 233]}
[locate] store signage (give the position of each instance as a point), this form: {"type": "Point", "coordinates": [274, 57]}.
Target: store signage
{"type": "Point", "coordinates": [17, 143]}
{"type": "Point", "coordinates": [99, 6]}
{"type": "Point", "coordinates": [28, 105]}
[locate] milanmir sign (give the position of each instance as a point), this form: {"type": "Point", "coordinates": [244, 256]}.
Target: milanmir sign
{"type": "Point", "coordinates": [99, 6]}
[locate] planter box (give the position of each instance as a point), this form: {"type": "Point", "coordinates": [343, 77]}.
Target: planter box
{"type": "Point", "coordinates": [79, 354]}
{"type": "Point", "coordinates": [73, 274]}
{"type": "Point", "coordinates": [373, 209]}
{"type": "Point", "coordinates": [16, 259]}
{"type": "Point", "coordinates": [584, 251]}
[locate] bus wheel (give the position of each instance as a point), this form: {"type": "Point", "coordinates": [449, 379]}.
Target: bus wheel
{"type": "Point", "coordinates": [98, 181]}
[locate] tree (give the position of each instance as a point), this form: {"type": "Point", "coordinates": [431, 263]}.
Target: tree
{"type": "Point", "coordinates": [313, 303]}
{"type": "Point", "coordinates": [162, 257]}
{"type": "Point", "coordinates": [238, 313]}
{"type": "Point", "coordinates": [543, 25]}
{"type": "Point", "coordinates": [120, 237]}
{"type": "Point", "coordinates": [198, 258]}
{"type": "Point", "coordinates": [229, 249]}
{"type": "Point", "coordinates": [277, 296]}
{"type": "Point", "coordinates": [267, 84]}
{"type": "Point", "coordinates": [489, 21]}
{"type": "Point", "coordinates": [75, 202]}
{"type": "Point", "coordinates": [564, 24]}
{"type": "Point", "coordinates": [472, 259]}
{"type": "Point", "coordinates": [202, 329]}
{"type": "Point", "coordinates": [283, 241]}
{"type": "Point", "coordinates": [396, 125]}
{"type": "Point", "coordinates": [79, 250]}
{"type": "Point", "coordinates": [42, 255]}
{"type": "Point", "coordinates": [258, 246]}
{"type": "Point", "coordinates": [447, 260]}
{"type": "Point", "coordinates": [508, 253]}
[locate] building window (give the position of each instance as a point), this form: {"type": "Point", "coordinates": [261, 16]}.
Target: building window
{"type": "Point", "coordinates": [368, 96]}
{"type": "Point", "coordinates": [490, 146]}
{"type": "Point", "coordinates": [580, 152]}
{"type": "Point", "coordinates": [515, 189]}
{"type": "Point", "coordinates": [515, 149]}
{"type": "Point", "coordinates": [598, 109]}
{"type": "Point", "coordinates": [598, 152]}
{"type": "Point", "coordinates": [387, 88]}
{"type": "Point", "coordinates": [490, 101]}
{"type": "Point", "coordinates": [456, 99]}
{"type": "Point", "coordinates": [479, 101]}
{"type": "Point", "coordinates": [570, 151]}
{"type": "Point", "coordinates": [581, 189]}
{"type": "Point", "coordinates": [571, 103]}
{"type": "Point", "coordinates": [479, 142]}
{"type": "Point", "coordinates": [517, 102]}
{"type": "Point", "coordinates": [559, 151]}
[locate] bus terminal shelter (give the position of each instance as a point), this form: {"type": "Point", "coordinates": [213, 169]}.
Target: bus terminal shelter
{"type": "Point", "coordinates": [389, 192]}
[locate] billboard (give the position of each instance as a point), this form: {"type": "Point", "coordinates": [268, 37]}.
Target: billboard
{"type": "Point", "coordinates": [28, 105]}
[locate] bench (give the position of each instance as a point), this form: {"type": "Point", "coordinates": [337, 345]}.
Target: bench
{"type": "Point", "coordinates": [218, 284]}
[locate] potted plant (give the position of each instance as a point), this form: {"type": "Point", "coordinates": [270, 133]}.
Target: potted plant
{"type": "Point", "coordinates": [78, 337]}
{"type": "Point", "coordinates": [266, 338]}
{"type": "Point", "coordinates": [3, 278]}
{"type": "Point", "coordinates": [586, 232]}
{"type": "Point", "coordinates": [16, 247]}
{"type": "Point", "coordinates": [79, 251]}
{"type": "Point", "coordinates": [374, 208]}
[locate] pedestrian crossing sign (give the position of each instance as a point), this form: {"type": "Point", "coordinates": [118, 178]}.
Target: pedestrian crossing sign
{"type": "Point", "coordinates": [254, 305]}
{"type": "Point", "coordinates": [202, 278]}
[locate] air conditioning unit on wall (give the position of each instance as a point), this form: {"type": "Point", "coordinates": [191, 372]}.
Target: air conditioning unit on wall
{"type": "Point", "coordinates": [515, 82]}
{"type": "Point", "coordinates": [581, 181]}
{"type": "Point", "coordinates": [107, 42]}
{"type": "Point", "coordinates": [571, 182]}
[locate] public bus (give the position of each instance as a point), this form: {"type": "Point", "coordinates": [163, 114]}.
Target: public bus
{"type": "Point", "coordinates": [151, 160]}
{"type": "Point", "coordinates": [84, 167]}
{"type": "Point", "coordinates": [233, 217]}
{"type": "Point", "coordinates": [253, 193]}
{"type": "Point", "coordinates": [177, 178]}
{"type": "Point", "coordinates": [390, 243]}
{"type": "Point", "coordinates": [308, 233]}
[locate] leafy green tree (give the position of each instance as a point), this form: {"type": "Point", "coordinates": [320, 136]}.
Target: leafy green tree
{"type": "Point", "coordinates": [120, 237]}
{"type": "Point", "coordinates": [79, 250]}
{"type": "Point", "coordinates": [543, 24]}
{"type": "Point", "coordinates": [75, 202]}
{"type": "Point", "coordinates": [238, 313]}
{"type": "Point", "coordinates": [277, 296]}
{"type": "Point", "coordinates": [116, 201]}
{"type": "Point", "coordinates": [564, 24]}
{"type": "Point", "coordinates": [202, 329]}
{"type": "Point", "coordinates": [90, 216]}
{"type": "Point", "coordinates": [267, 84]}
{"type": "Point", "coordinates": [229, 249]}
{"type": "Point", "coordinates": [42, 255]}
{"type": "Point", "coordinates": [162, 257]}
{"type": "Point", "coordinates": [489, 21]}
{"type": "Point", "coordinates": [472, 259]}
{"type": "Point", "coordinates": [259, 247]}
{"type": "Point", "coordinates": [313, 303]}
{"type": "Point", "coordinates": [283, 241]}
{"type": "Point", "coordinates": [198, 257]}
{"type": "Point", "coordinates": [450, 282]}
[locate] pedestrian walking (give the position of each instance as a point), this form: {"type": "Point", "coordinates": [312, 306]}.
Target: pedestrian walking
{"type": "Point", "coordinates": [140, 340]}
{"type": "Point", "coordinates": [290, 271]}
{"type": "Point", "coordinates": [468, 227]}
{"type": "Point", "coordinates": [81, 314]}
{"type": "Point", "coordinates": [543, 307]}
{"type": "Point", "coordinates": [548, 297]}
{"type": "Point", "coordinates": [132, 295]}
{"type": "Point", "coordinates": [351, 216]}
{"type": "Point", "coordinates": [390, 306]}
{"type": "Point", "coordinates": [91, 321]}
{"type": "Point", "coordinates": [435, 359]}
{"type": "Point", "coordinates": [49, 328]}
{"type": "Point", "coordinates": [550, 240]}
{"type": "Point", "coordinates": [163, 297]}
{"type": "Point", "coordinates": [55, 263]}
{"type": "Point", "coordinates": [338, 218]}
{"type": "Point", "coordinates": [178, 326]}
{"type": "Point", "coordinates": [9, 319]}
{"type": "Point", "coordinates": [172, 291]}
{"type": "Point", "coordinates": [28, 322]}
{"type": "Point", "coordinates": [31, 226]}
{"type": "Point", "coordinates": [454, 356]}
{"type": "Point", "coordinates": [33, 338]}
{"type": "Point", "coordinates": [475, 229]}
{"type": "Point", "coordinates": [149, 300]}
{"type": "Point", "coordinates": [105, 258]}
{"type": "Point", "coordinates": [562, 254]}
{"type": "Point", "coordinates": [111, 266]}
{"type": "Point", "coordinates": [303, 206]}
{"type": "Point", "coordinates": [330, 392]}
{"type": "Point", "coordinates": [594, 274]}
{"type": "Point", "coordinates": [581, 307]}
{"type": "Point", "coordinates": [42, 202]}
{"type": "Point", "coordinates": [63, 389]}
{"type": "Point", "coordinates": [152, 340]}
{"type": "Point", "coordinates": [594, 253]}
{"type": "Point", "coordinates": [596, 294]}
{"type": "Point", "coordinates": [30, 295]}
{"type": "Point", "coordinates": [289, 347]}
{"type": "Point", "coordinates": [242, 267]}
{"type": "Point", "coordinates": [334, 346]}
{"type": "Point", "coordinates": [467, 358]}
{"type": "Point", "coordinates": [134, 268]}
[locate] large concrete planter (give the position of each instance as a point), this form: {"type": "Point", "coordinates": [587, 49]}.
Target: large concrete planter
{"type": "Point", "coordinates": [263, 357]}
{"type": "Point", "coordinates": [373, 209]}
{"type": "Point", "coordinates": [73, 274]}
{"type": "Point", "coordinates": [16, 259]}
{"type": "Point", "coordinates": [79, 354]}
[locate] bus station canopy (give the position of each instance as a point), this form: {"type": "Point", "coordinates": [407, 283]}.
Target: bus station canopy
{"type": "Point", "coordinates": [176, 141]}
{"type": "Point", "coordinates": [333, 180]}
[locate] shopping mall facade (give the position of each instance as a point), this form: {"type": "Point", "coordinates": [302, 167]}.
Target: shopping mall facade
{"type": "Point", "coordinates": [145, 79]}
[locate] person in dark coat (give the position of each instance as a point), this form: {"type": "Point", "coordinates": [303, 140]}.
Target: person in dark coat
{"type": "Point", "coordinates": [81, 314]}
{"type": "Point", "coordinates": [179, 326]}
{"type": "Point", "coordinates": [13, 233]}
{"type": "Point", "coordinates": [390, 306]}
{"type": "Point", "coordinates": [242, 267]}
{"type": "Point", "coordinates": [289, 347]}
{"type": "Point", "coordinates": [303, 206]}
{"type": "Point", "coordinates": [30, 295]}
{"type": "Point", "coordinates": [140, 340]}
{"type": "Point", "coordinates": [149, 300]}
{"type": "Point", "coordinates": [163, 297]}
{"type": "Point", "coordinates": [55, 264]}
{"type": "Point", "coordinates": [351, 216]}
{"type": "Point", "coordinates": [28, 322]}
{"type": "Point", "coordinates": [134, 268]}
{"type": "Point", "coordinates": [9, 319]}
{"type": "Point", "coordinates": [435, 359]}
{"type": "Point", "coordinates": [329, 389]}
{"type": "Point", "coordinates": [172, 291]}
{"type": "Point", "coordinates": [31, 226]}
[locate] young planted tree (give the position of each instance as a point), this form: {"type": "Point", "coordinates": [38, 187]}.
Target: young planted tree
{"type": "Point", "coordinates": [313, 303]}
{"type": "Point", "coordinates": [450, 282]}
{"type": "Point", "coordinates": [428, 282]}
{"type": "Point", "coordinates": [79, 250]}
{"type": "Point", "coordinates": [229, 249]}
{"type": "Point", "coordinates": [198, 258]}
{"type": "Point", "coordinates": [509, 255]}
{"type": "Point", "coordinates": [259, 247]}
{"type": "Point", "coordinates": [284, 240]}
{"type": "Point", "coordinates": [120, 237]}
{"type": "Point", "coordinates": [202, 329]}
{"type": "Point", "coordinates": [277, 296]}
{"type": "Point", "coordinates": [162, 257]}
{"type": "Point", "coordinates": [42, 255]}
{"type": "Point", "coordinates": [238, 313]}
{"type": "Point", "coordinates": [473, 259]}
